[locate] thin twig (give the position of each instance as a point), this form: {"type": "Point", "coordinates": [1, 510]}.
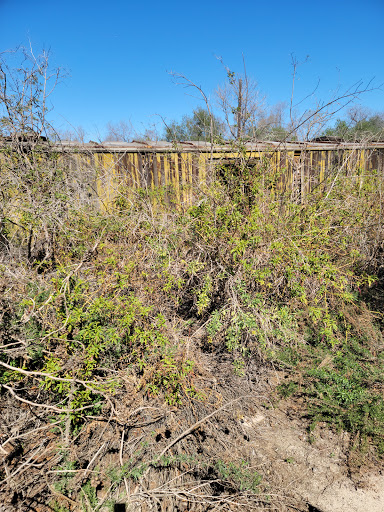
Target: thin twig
{"type": "Point", "coordinates": [121, 460]}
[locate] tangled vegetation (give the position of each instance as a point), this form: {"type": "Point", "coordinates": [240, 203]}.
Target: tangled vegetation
{"type": "Point", "coordinates": [125, 310]}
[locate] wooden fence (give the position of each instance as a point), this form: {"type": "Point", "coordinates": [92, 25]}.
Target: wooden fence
{"type": "Point", "coordinates": [112, 170]}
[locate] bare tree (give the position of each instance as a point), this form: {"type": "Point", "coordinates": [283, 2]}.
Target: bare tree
{"type": "Point", "coordinates": [358, 113]}
{"type": "Point", "coordinates": [122, 131]}
{"type": "Point", "coordinates": [181, 79]}
{"type": "Point", "coordinates": [310, 122]}
{"type": "Point", "coordinates": [148, 133]}
{"type": "Point", "coordinates": [37, 188]}
{"type": "Point", "coordinates": [241, 103]}
{"type": "Point", "coordinates": [26, 84]}
{"type": "Point", "coordinates": [272, 124]}
{"type": "Point", "coordinates": [75, 134]}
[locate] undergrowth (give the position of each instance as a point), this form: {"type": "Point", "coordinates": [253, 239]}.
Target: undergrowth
{"type": "Point", "coordinates": [342, 388]}
{"type": "Point", "coordinates": [259, 274]}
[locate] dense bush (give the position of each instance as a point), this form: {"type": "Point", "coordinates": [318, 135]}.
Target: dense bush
{"type": "Point", "coordinates": [138, 302]}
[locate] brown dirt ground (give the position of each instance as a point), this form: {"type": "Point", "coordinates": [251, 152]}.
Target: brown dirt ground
{"type": "Point", "coordinates": [300, 473]}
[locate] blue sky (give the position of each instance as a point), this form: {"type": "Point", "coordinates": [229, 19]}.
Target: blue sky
{"type": "Point", "coordinates": [118, 54]}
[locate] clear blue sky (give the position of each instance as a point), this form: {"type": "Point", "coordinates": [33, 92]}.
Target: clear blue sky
{"type": "Point", "coordinates": [118, 53]}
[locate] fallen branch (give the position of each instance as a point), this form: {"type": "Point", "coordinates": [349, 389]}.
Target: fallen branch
{"type": "Point", "coordinates": [198, 423]}
{"type": "Point", "coordinates": [51, 407]}
{"type": "Point", "coordinates": [84, 383]}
